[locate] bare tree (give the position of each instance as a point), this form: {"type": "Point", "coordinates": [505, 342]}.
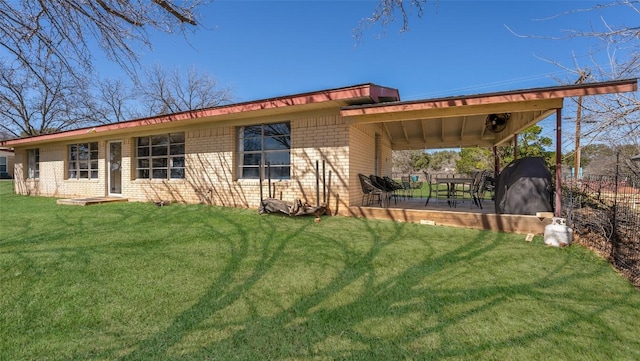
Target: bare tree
{"type": "Point", "coordinates": [388, 12]}
{"type": "Point", "coordinates": [165, 92]}
{"type": "Point", "coordinates": [41, 99]}
{"type": "Point", "coordinates": [66, 29]}
{"type": "Point", "coordinates": [114, 102]}
{"type": "Point", "coordinates": [613, 54]}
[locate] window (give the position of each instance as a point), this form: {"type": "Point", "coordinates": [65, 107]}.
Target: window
{"type": "Point", "coordinates": [3, 165]}
{"type": "Point", "coordinates": [33, 163]}
{"type": "Point", "coordinates": [264, 144]}
{"type": "Point", "coordinates": [83, 161]}
{"type": "Point", "coordinates": [160, 156]}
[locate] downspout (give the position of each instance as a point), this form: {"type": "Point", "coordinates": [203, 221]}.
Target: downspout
{"type": "Point", "coordinates": [558, 212]}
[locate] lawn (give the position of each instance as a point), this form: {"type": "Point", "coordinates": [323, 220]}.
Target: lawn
{"type": "Point", "coordinates": [133, 281]}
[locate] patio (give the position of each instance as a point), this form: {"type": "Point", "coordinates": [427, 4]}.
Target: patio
{"type": "Point", "coordinates": [464, 215]}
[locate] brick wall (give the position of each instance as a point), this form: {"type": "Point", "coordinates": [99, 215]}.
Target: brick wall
{"type": "Point", "coordinates": [210, 168]}
{"type": "Point", "coordinates": [363, 157]}
{"type": "Point", "coordinates": [53, 181]}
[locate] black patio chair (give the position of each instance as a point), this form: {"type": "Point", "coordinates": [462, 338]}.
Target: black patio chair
{"type": "Point", "coordinates": [395, 185]}
{"type": "Point", "coordinates": [381, 183]}
{"type": "Point", "coordinates": [487, 184]}
{"type": "Point", "coordinates": [476, 186]}
{"type": "Point", "coordinates": [369, 191]}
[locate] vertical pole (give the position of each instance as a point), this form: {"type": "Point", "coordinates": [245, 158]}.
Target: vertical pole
{"type": "Point", "coordinates": [576, 155]}
{"type": "Point", "coordinates": [261, 176]}
{"type": "Point", "coordinates": [328, 191]}
{"type": "Point", "coordinates": [558, 212]}
{"type": "Point", "coordinates": [614, 238]}
{"type": "Point", "coordinates": [515, 146]}
{"type": "Point", "coordinates": [324, 185]}
{"type": "Point", "coordinates": [496, 161]}
{"type": "Point", "coordinates": [269, 177]}
{"type": "Point", "coordinates": [317, 184]}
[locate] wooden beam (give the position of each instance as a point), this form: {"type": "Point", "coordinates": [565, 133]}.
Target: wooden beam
{"type": "Point", "coordinates": [404, 131]}
{"type": "Point", "coordinates": [423, 125]}
{"type": "Point", "coordinates": [437, 143]}
{"type": "Point", "coordinates": [558, 192]}
{"type": "Point", "coordinates": [430, 111]}
{"type": "Point", "coordinates": [464, 122]}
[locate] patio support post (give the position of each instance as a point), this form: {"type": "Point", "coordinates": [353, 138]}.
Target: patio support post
{"type": "Point", "coordinates": [558, 212]}
{"type": "Point", "coordinates": [515, 146]}
{"type": "Point", "coordinates": [496, 161]}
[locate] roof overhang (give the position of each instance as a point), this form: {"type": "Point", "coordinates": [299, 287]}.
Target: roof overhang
{"type": "Point", "coordinates": [331, 99]}
{"type": "Point", "coordinates": [459, 121]}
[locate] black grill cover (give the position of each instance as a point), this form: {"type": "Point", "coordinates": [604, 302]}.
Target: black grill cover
{"type": "Point", "coordinates": [524, 187]}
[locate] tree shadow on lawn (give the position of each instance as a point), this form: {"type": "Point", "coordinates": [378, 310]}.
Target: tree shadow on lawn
{"type": "Point", "coordinates": [391, 318]}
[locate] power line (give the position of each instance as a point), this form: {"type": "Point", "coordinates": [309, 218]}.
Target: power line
{"type": "Point", "coordinates": [482, 86]}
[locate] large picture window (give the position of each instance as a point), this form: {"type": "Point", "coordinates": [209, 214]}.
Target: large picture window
{"type": "Point", "coordinates": [3, 165]}
{"type": "Point", "coordinates": [33, 163]}
{"type": "Point", "coordinates": [160, 156]}
{"type": "Point", "coordinates": [264, 144]}
{"type": "Point", "coordinates": [83, 161]}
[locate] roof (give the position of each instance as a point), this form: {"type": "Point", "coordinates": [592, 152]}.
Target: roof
{"type": "Point", "coordinates": [456, 121]}
{"type": "Point", "coordinates": [233, 113]}
{"type": "Point", "coordinates": [459, 121]}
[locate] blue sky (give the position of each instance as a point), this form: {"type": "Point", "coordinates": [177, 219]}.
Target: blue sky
{"type": "Point", "coordinates": [263, 49]}
{"type": "Point", "coordinates": [269, 48]}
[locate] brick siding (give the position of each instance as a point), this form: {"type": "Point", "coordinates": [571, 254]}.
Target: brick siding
{"type": "Point", "coordinates": [210, 169]}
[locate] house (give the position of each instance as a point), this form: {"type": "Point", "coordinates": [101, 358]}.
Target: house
{"type": "Point", "coordinates": [218, 155]}
{"type": "Point", "coordinates": [6, 163]}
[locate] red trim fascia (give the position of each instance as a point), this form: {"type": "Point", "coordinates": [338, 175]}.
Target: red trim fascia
{"type": "Point", "coordinates": [617, 86]}
{"type": "Point", "coordinates": [371, 91]}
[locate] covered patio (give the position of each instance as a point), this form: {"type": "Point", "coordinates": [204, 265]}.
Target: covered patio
{"type": "Point", "coordinates": [463, 121]}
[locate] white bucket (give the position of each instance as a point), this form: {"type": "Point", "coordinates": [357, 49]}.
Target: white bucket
{"type": "Point", "coordinates": [557, 233]}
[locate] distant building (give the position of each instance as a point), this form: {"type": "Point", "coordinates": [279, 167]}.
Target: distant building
{"type": "Point", "coordinates": [6, 163]}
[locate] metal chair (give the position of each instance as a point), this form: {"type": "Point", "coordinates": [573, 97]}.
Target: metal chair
{"type": "Point", "coordinates": [369, 191]}
{"type": "Point", "coordinates": [436, 190]}
{"type": "Point", "coordinates": [486, 184]}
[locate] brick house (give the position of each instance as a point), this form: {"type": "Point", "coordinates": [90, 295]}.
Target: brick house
{"type": "Point", "coordinates": [215, 155]}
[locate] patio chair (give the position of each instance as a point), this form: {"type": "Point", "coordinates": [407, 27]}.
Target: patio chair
{"type": "Point", "coordinates": [405, 181]}
{"type": "Point", "coordinates": [476, 188]}
{"type": "Point", "coordinates": [435, 189]}
{"type": "Point", "coordinates": [395, 185]}
{"type": "Point", "coordinates": [487, 184]}
{"type": "Point", "coordinates": [381, 184]}
{"type": "Point", "coordinates": [369, 191]}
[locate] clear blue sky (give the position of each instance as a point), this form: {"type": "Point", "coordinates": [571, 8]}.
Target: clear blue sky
{"type": "Point", "coordinates": [269, 48]}
{"type": "Point", "coordinates": [264, 49]}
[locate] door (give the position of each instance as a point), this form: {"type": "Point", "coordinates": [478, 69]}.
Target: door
{"type": "Point", "coordinates": [115, 168]}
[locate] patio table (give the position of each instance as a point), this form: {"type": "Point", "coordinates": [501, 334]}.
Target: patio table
{"type": "Point", "coordinates": [453, 186]}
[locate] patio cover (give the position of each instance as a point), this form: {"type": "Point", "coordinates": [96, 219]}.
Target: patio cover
{"type": "Point", "coordinates": [459, 121]}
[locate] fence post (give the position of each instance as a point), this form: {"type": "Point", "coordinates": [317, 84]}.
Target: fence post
{"type": "Point", "coordinates": [614, 232]}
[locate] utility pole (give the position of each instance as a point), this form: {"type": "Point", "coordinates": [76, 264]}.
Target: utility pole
{"type": "Point", "coordinates": [576, 154]}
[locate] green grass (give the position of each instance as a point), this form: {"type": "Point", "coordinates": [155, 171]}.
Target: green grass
{"type": "Point", "coordinates": [132, 281]}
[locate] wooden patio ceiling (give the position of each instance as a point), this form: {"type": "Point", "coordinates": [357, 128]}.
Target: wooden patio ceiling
{"type": "Point", "coordinates": [460, 121]}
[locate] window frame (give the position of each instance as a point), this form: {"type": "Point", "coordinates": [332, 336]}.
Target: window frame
{"type": "Point", "coordinates": [271, 143]}
{"type": "Point", "coordinates": [160, 154]}
{"type": "Point", "coordinates": [33, 163]}
{"type": "Point", "coordinates": [4, 163]}
{"type": "Point", "coordinates": [82, 161]}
